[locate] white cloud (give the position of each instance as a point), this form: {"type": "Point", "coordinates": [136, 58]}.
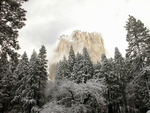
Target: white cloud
{"type": "Point", "coordinates": [49, 18]}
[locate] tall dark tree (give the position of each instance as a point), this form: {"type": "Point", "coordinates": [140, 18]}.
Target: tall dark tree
{"type": "Point", "coordinates": [43, 75]}
{"type": "Point", "coordinates": [31, 92]}
{"type": "Point", "coordinates": [22, 68]}
{"type": "Point", "coordinates": [88, 65]}
{"type": "Point", "coordinates": [12, 17]}
{"type": "Point", "coordinates": [138, 91]}
{"type": "Point", "coordinates": [7, 85]}
{"type": "Point", "coordinates": [97, 71]}
{"type": "Point", "coordinates": [32, 78]}
{"type": "Point", "coordinates": [119, 62]}
{"type": "Point", "coordinates": [62, 69]}
{"type": "Point", "coordinates": [21, 74]}
{"type": "Point", "coordinates": [137, 37]}
{"type": "Point", "coordinates": [111, 94]}
{"type": "Point", "coordinates": [71, 60]}
{"type": "Point", "coordinates": [122, 76]}
{"type": "Point", "coordinates": [83, 68]}
{"type": "Point", "coordinates": [105, 67]}
{"type": "Point", "coordinates": [78, 69]}
{"type": "Point", "coordinates": [58, 71]}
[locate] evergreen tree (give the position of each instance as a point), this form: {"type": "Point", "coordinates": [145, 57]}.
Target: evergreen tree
{"type": "Point", "coordinates": [22, 68]}
{"type": "Point", "coordinates": [97, 71]}
{"type": "Point", "coordinates": [12, 17]}
{"type": "Point", "coordinates": [32, 78]}
{"type": "Point", "coordinates": [82, 69]}
{"type": "Point", "coordinates": [78, 69]}
{"type": "Point", "coordinates": [138, 92]}
{"type": "Point", "coordinates": [121, 74]}
{"type": "Point", "coordinates": [137, 35]}
{"type": "Point", "coordinates": [104, 68]}
{"type": "Point", "coordinates": [58, 71]}
{"type": "Point", "coordinates": [65, 68]}
{"type": "Point", "coordinates": [13, 64]}
{"type": "Point", "coordinates": [43, 75]}
{"type": "Point", "coordinates": [21, 74]}
{"type": "Point", "coordinates": [62, 69]}
{"type": "Point", "coordinates": [71, 60]}
{"type": "Point", "coordinates": [119, 63]}
{"type": "Point", "coordinates": [32, 90]}
{"type": "Point", "coordinates": [111, 94]}
{"type": "Point", "coordinates": [144, 90]}
{"type": "Point", "coordinates": [7, 84]}
{"type": "Point", "coordinates": [88, 66]}
{"type": "Point", "coordinates": [4, 65]}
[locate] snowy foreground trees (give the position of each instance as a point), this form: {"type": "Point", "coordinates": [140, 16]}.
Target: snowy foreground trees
{"type": "Point", "coordinates": [119, 85]}
{"type": "Point", "coordinates": [88, 88]}
{"type": "Point", "coordinates": [23, 89]}
{"type": "Point", "coordinates": [69, 97]}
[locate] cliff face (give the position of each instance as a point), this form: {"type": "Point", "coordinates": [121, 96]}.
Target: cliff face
{"type": "Point", "coordinates": [78, 39]}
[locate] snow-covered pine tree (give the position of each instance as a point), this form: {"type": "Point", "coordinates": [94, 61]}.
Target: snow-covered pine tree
{"type": "Point", "coordinates": [71, 61]}
{"type": "Point", "coordinates": [20, 73]}
{"type": "Point", "coordinates": [82, 69]}
{"type": "Point", "coordinates": [97, 71]}
{"type": "Point", "coordinates": [138, 38]}
{"type": "Point", "coordinates": [12, 17]}
{"type": "Point", "coordinates": [87, 66]}
{"type": "Point", "coordinates": [31, 92]}
{"type": "Point", "coordinates": [9, 26]}
{"type": "Point", "coordinates": [58, 71]}
{"type": "Point", "coordinates": [22, 68]}
{"type": "Point", "coordinates": [111, 93]}
{"type": "Point", "coordinates": [78, 69]}
{"type": "Point", "coordinates": [137, 35]}
{"type": "Point", "coordinates": [119, 63]}
{"type": "Point", "coordinates": [62, 69]}
{"type": "Point", "coordinates": [145, 87]}
{"type": "Point", "coordinates": [43, 75]}
{"type": "Point", "coordinates": [138, 93]}
{"type": "Point", "coordinates": [4, 65]}
{"type": "Point", "coordinates": [104, 67]}
{"type": "Point", "coordinates": [13, 64]}
{"type": "Point", "coordinates": [121, 74]}
{"type": "Point", "coordinates": [7, 82]}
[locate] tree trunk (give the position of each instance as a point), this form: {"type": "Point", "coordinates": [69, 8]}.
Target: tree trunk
{"type": "Point", "coordinates": [110, 109]}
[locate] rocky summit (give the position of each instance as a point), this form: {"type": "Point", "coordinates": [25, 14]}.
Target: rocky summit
{"type": "Point", "coordinates": [78, 39]}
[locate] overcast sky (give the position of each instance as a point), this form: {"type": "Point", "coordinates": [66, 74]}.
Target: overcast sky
{"type": "Point", "coordinates": [48, 19]}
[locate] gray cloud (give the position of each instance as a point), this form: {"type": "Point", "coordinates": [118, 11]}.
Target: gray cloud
{"type": "Point", "coordinates": [47, 19]}
{"type": "Point", "coordinates": [46, 22]}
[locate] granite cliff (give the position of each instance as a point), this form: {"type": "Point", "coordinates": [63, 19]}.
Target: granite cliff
{"type": "Point", "coordinates": [78, 39]}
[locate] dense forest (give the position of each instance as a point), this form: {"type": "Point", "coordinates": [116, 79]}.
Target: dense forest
{"type": "Point", "coordinates": [113, 85]}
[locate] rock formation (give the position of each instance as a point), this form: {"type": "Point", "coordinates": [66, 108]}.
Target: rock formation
{"type": "Point", "coordinates": [78, 39]}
